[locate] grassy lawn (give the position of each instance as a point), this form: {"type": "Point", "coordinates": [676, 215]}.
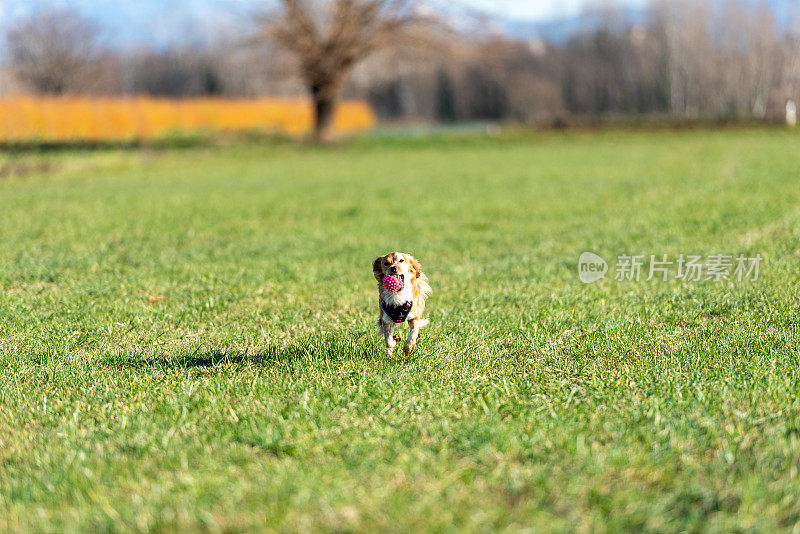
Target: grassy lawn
{"type": "Point", "coordinates": [187, 338]}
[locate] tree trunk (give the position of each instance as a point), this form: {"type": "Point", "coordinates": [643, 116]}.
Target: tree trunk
{"type": "Point", "coordinates": [324, 106]}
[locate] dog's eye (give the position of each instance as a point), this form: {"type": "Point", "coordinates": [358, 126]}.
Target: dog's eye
{"type": "Point", "coordinates": [385, 263]}
{"type": "Point", "coordinates": [402, 260]}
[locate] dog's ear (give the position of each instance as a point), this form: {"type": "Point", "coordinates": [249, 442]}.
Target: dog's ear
{"type": "Point", "coordinates": [377, 272]}
{"type": "Point", "coordinates": [416, 266]}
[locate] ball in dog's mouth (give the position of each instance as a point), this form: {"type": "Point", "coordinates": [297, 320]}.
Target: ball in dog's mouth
{"type": "Point", "coordinates": [394, 282]}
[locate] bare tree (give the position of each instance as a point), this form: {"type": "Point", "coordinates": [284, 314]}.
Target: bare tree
{"type": "Point", "coordinates": [53, 51]}
{"type": "Point", "coordinates": [329, 37]}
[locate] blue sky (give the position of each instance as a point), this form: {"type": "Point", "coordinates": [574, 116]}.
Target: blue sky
{"type": "Point", "coordinates": [539, 10]}
{"type": "Point", "coordinates": [129, 23]}
{"type": "Point", "coordinates": [524, 9]}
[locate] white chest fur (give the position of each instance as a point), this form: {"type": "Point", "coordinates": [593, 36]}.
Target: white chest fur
{"type": "Point", "coordinates": [397, 298]}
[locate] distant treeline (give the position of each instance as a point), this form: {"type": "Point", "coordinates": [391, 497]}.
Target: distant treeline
{"type": "Point", "coordinates": [731, 59]}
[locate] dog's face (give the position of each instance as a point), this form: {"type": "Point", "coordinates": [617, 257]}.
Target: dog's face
{"type": "Point", "coordinates": [396, 263]}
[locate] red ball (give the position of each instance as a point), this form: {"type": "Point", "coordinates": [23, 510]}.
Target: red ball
{"type": "Point", "coordinates": [393, 282]}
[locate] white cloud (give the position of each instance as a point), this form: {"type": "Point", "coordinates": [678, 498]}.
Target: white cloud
{"type": "Point", "coordinates": [539, 9]}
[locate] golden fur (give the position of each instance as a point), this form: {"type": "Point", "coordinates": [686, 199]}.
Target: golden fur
{"type": "Point", "coordinates": [415, 289]}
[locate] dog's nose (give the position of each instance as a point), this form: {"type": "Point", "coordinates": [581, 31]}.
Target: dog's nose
{"type": "Point", "coordinates": [392, 270]}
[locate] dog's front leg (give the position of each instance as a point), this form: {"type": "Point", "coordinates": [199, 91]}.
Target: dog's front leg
{"type": "Point", "coordinates": [388, 336]}
{"type": "Point", "coordinates": [413, 333]}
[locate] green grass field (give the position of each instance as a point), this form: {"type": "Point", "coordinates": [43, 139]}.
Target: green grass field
{"type": "Point", "coordinates": [187, 337]}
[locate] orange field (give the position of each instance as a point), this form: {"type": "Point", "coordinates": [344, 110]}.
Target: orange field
{"type": "Point", "coordinates": [29, 118]}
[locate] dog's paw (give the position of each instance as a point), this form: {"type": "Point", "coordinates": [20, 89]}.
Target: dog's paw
{"type": "Point", "coordinates": [408, 347]}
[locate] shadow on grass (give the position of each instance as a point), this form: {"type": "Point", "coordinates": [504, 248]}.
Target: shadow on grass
{"type": "Point", "coordinates": [212, 359]}
{"type": "Point", "coordinates": [333, 348]}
